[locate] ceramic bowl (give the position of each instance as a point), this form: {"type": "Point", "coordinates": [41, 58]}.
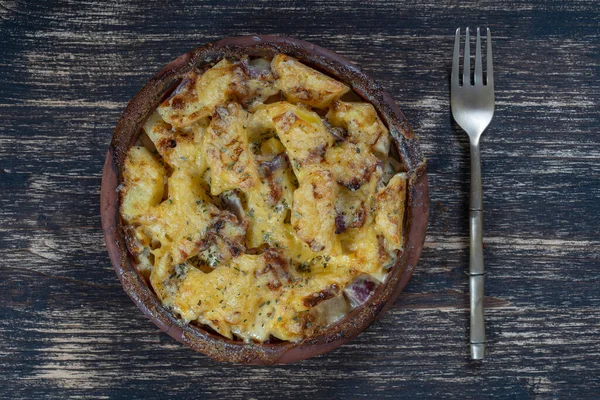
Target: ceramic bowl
{"type": "Point", "coordinates": [417, 206]}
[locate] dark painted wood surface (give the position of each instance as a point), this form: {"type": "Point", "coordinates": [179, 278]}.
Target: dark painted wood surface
{"type": "Point", "coordinates": [67, 69]}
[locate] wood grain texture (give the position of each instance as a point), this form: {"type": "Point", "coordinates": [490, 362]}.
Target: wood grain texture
{"type": "Point", "coordinates": [67, 329]}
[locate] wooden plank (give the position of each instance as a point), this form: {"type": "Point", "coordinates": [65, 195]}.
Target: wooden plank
{"type": "Point", "coordinates": [67, 329]}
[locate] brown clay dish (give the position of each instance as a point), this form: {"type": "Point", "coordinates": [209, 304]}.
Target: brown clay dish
{"type": "Point", "coordinates": [417, 206]}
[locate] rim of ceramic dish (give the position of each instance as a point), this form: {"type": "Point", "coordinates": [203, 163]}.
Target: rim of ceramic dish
{"type": "Point", "coordinates": [417, 205]}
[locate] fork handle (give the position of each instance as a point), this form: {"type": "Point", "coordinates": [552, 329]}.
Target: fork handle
{"type": "Point", "coordinates": [476, 271]}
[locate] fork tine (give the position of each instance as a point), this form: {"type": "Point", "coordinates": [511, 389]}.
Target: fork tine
{"type": "Point", "coordinates": [478, 68]}
{"type": "Point", "coordinates": [456, 58]}
{"type": "Point", "coordinates": [467, 63]}
{"type": "Point", "coordinates": [490, 68]}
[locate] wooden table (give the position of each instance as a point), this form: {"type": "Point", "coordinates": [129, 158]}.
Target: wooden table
{"type": "Point", "coordinates": [67, 70]}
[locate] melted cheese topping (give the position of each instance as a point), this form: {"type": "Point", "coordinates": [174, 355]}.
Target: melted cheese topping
{"type": "Point", "coordinates": [255, 215]}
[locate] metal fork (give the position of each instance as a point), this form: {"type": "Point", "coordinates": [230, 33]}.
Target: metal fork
{"type": "Point", "coordinates": [473, 108]}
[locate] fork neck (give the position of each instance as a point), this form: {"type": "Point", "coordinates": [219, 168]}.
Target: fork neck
{"type": "Point", "coordinates": [476, 202]}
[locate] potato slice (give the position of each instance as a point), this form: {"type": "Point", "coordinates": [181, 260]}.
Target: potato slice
{"type": "Point", "coordinates": [302, 84]}
{"type": "Point", "coordinates": [180, 222]}
{"type": "Point", "coordinates": [138, 243]}
{"type": "Point", "coordinates": [258, 84]}
{"type": "Point", "coordinates": [143, 183]}
{"type": "Point", "coordinates": [179, 149]}
{"type": "Point", "coordinates": [359, 119]}
{"type": "Point", "coordinates": [353, 207]}
{"type": "Point", "coordinates": [301, 131]}
{"type": "Point", "coordinates": [226, 147]}
{"type": "Point", "coordinates": [198, 96]}
{"type": "Point", "coordinates": [351, 164]}
{"type": "Point", "coordinates": [389, 213]}
{"type": "Point", "coordinates": [227, 299]}
{"type": "Point", "coordinates": [313, 210]}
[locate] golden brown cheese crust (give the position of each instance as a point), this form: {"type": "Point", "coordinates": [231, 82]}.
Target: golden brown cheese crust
{"type": "Point", "coordinates": [144, 178]}
{"type": "Point", "coordinates": [199, 95]}
{"type": "Point", "coordinates": [389, 213]}
{"type": "Point", "coordinates": [302, 84]}
{"type": "Point", "coordinates": [301, 131]}
{"type": "Point", "coordinates": [226, 148]}
{"type": "Point", "coordinates": [313, 211]}
{"type": "Point", "coordinates": [252, 215]}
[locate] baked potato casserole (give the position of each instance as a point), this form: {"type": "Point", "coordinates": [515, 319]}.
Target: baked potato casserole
{"type": "Point", "coordinates": [262, 200]}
